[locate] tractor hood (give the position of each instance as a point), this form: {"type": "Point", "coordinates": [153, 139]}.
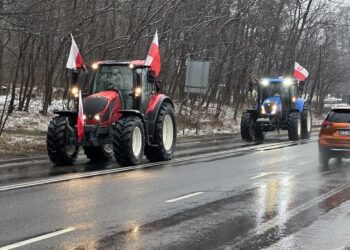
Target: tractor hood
{"type": "Point", "coordinates": [100, 106]}
{"type": "Point", "coordinates": [272, 105]}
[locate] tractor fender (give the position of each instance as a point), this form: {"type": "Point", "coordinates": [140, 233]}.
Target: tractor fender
{"type": "Point", "coordinates": [66, 113]}
{"type": "Point", "coordinates": [132, 112]}
{"type": "Point", "coordinates": [253, 112]}
{"type": "Point", "coordinates": [299, 105]}
{"type": "Point", "coordinates": [71, 115]}
{"type": "Point", "coordinates": [152, 110]}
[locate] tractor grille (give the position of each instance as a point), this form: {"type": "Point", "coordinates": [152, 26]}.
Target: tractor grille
{"type": "Point", "coordinates": [268, 107]}
{"type": "Point", "coordinates": [94, 104]}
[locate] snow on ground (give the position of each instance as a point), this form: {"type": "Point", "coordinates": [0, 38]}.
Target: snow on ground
{"type": "Point", "coordinates": [31, 120]}
{"type": "Point", "coordinates": [203, 122]}
{"type": "Point", "coordinates": [26, 131]}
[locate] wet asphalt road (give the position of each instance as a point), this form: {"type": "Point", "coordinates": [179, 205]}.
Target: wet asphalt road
{"type": "Point", "coordinates": [273, 195]}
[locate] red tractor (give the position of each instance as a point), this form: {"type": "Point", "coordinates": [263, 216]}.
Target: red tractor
{"type": "Point", "coordinates": [125, 116]}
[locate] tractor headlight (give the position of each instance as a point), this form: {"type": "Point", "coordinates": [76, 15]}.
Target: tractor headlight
{"type": "Point", "coordinates": [263, 111]}
{"type": "Point", "coordinates": [84, 117]}
{"type": "Point", "coordinates": [274, 109]}
{"type": "Point", "coordinates": [138, 92]}
{"type": "Point", "coordinates": [294, 99]}
{"type": "Point", "coordinates": [131, 66]}
{"type": "Point", "coordinates": [94, 66]}
{"type": "Point", "coordinates": [75, 91]}
{"type": "Point", "coordinates": [97, 117]}
{"type": "Point", "coordinates": [287, 82]}
{"type": "Point", "coordinates": [265, 82]}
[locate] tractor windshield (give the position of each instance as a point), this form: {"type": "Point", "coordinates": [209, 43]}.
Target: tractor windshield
{"type": "Point", "coordinates": [113, 77]}
{"type": "Point", "coordinates": [274, 89]}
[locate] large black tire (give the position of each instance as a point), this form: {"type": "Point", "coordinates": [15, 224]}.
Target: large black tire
{"type": "Point", "coordinates": [259, 133]}
{"type": "Point", "coordinates": [99, 154]}
{"type": "Point", "coordinates": [164, 135]}
{"type": "Point", "coordinates": [306, 123]}
{"type": "Point", "coordinates": [323, 158]}
{"type": "Point", "coordinates": [294, 126]}
{"type": "Point", "coordinates": [247, 127]}
{"type": "Point", "coordinates": [59, 149]}
{"type": "Point", "coordinates": [129, 138]}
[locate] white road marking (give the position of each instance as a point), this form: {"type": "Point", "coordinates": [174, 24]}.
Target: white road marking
{"type": "Point", "coordinates": [267, 174]}
{"type": "Point", "coordinates": [212, 155]}
{"type": "Point", "coordinates": [38, 238]}
{"type": "Point", "coordinates": [304, 163]}
{"type": "Point", "coordinates": [184, 197]}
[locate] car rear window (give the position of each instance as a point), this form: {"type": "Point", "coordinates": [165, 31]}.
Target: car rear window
{"type": "Point", "coordinates": [339, 115]}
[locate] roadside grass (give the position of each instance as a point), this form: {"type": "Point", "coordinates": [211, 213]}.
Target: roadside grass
{"type": "Point", "coordinates": [22, 143]}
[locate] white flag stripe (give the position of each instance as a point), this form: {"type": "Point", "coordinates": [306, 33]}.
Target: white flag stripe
{"type": "Point", "coordinates": [301, 69]}
{"type": "Point", "coordinates": [149, 60]}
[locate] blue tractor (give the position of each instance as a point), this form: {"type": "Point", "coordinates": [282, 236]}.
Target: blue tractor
{"type": "Point", "coordinates": [277, 107]}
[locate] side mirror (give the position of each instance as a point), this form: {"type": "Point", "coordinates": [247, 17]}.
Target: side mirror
{"type": "Point", "coordinates": [250, 87]}
{"type": "Point", "coordinates": [301, 86]}
{"type": "Point", "coordinates": [150, 76]}
{"type": "Point", "coordinates": [75, 76]}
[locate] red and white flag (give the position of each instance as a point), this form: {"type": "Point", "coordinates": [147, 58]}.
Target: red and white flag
{"type": "Point", "coordinates": [153, 57]}
{"type": "Point", "coordinates": [75, 60]}
{"type": "Point", "coordinates": [80, 120]}
{"type": "Point", "coordinates": [300, 72]}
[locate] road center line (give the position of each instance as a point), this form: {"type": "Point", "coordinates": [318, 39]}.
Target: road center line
{"type": "Point", "coordinates": [304, 163]}
{"type": "Point", "coordinates": [38, 238]}
{"type": "Point", "coordinates": [182, 197]}
{"type": "Point", "coordinates": [267, 174]}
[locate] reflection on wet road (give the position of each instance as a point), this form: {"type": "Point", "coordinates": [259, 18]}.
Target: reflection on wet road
{"type": "Point", "coordinates": [276, 199]}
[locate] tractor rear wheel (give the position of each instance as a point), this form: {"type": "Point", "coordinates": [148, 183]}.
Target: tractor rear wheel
{"type": "Point", "coordinates": [59, 147]}
{"type": "Point", "coordinates": [99, 154]}
{"type": "Point", "coordinates": [306, 123]}
{"type": "Point", "coordinates": [247, 127]}
{"type": "Point", "coordinates": [294, 126]}
{"type": "Point", "coordinates": [129, 141]}
{"type": "Point", "coordinates": [164, 136]}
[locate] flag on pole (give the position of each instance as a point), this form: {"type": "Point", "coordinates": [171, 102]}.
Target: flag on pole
{"type": "Point", "coordinates": [80, 120]}
{"type": "Point", "coordinates": [153, 57]}
{"type": "Point", "coordinates": [75, 60]}
{"type": "Point", "coordinates": [300, 72]}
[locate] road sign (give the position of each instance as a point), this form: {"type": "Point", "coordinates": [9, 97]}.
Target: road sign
{"type": "Point", "coordinates": [197, 77]}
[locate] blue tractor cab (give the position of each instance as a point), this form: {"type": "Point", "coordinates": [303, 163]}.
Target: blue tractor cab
{"type": "Point", "coordinates": [278, 107]}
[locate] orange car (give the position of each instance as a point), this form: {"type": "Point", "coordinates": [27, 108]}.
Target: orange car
{"type": "Point", "coordinates": [334, 138]}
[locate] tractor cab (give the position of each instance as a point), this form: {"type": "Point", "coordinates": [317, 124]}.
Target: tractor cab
{"type": "Point", "coordinates": [133, 81]}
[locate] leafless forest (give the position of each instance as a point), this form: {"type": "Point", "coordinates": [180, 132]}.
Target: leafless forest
{"type": "Point", "coordinates": [243, 39]}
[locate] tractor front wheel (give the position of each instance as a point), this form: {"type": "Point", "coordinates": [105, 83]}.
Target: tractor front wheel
{"type": "Point", "coordinates": [294, 126]}
{"type": "Point", "coordinates": [99, 154]}
{"type": "Point", "coordinates": [129, 141]}
{"type": "Point", "coordinates": [164, 137]}
{"type": "Point", "coordinates": [59, 147]}
{"type": "Point", "coordinates": [247, 127]}
{"type": "Point", "coordinates": [259, 133]}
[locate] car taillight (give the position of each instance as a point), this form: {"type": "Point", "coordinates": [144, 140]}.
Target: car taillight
{"type": "Point", "coordinates": [327, 124]}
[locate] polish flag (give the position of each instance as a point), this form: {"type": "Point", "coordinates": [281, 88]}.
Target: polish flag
{"type": "Point", "coordinates": [80, 120]}
{"type": "Point", "coordinates": [153, 57]}
{"type": "Point", "coordinates": [75, 61]}
{"type": "Point", "coordinates": [300, 72]}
